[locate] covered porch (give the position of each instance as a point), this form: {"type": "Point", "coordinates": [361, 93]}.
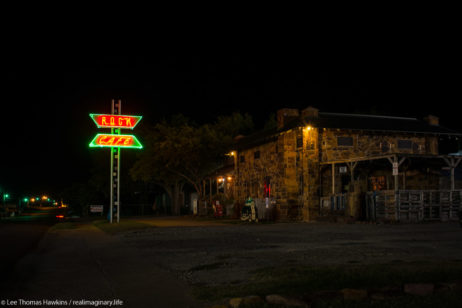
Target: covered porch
{"type": "Point", "coordinates": [398, 187]}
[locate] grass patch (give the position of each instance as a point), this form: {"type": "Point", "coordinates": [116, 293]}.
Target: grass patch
{"type": "Point", "coordinates": [123, 226]}
{"type": "Point", "coordinates": [301, 280]}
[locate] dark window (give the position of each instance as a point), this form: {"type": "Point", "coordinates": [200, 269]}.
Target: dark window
{"type": "Point", "coordinates": [256, 154]}
{"type": "Point", "coordinates": [345, 141]}
{"type": "Point", "coordinates": [299, 142]}
{"type": "Point", "coordinates": [384, 147]}
{"type": "Point", "coordinates": [242, 159]}
{"type": "Point", "coordinates": [404, 144]}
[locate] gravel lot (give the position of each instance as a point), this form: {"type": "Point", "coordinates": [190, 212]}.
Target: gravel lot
{"type": "Point", "coordinates": [228, 253]}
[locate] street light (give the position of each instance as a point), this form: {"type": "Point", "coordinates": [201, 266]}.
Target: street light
{"type": "Point", "coordinates": [5, 196]}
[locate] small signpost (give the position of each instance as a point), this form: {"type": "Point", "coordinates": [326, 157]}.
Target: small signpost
{"type": "Point", "coordinates": [96, 209]}
{"type": "Point", "coordinates": [115, 141]}
{"type": "Point", "coordinates": [395, 168]}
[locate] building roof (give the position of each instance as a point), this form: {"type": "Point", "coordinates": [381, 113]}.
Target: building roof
{"type": "Point", "coordinates": [373, 123]}
{"type": "Point", "coordinates": [378, 123]}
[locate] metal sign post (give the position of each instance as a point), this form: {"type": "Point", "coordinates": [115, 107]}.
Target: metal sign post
{"type": "Point", "coordinates": [115, 141]}
{"type": "Point", "coordinates": [115, 166]}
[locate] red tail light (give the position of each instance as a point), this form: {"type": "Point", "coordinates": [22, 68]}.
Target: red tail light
{"type": "Point", "coordinates": [59, 216]}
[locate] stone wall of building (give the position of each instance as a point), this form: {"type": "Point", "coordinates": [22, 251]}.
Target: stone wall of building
{"type": "Point", "coordinates": [374, 144]}
{"type": "Point", "coordinates": [291, 164]}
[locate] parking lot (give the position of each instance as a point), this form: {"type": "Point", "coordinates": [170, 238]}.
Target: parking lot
{"type": "Point", "coordinates": [232, 252]}
{"type": "Point", "coordinates": [164, 262]}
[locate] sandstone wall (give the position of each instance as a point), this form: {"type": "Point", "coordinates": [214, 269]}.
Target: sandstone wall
{"type": "Point", "coordinates": [292, 163]}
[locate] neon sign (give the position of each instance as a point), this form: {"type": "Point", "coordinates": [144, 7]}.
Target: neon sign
{"type": "Point", "coordinates": [115, 141]}
{"type": "Point", "coordinates": [115, 121]}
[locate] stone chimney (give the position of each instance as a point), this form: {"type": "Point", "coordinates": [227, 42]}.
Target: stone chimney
{"type": "Point", "coordinates": [310, 112]}
{"type": "Point", "coordinates": [432, 120]}
{"type": "Point", "coordinates": [285, 115]}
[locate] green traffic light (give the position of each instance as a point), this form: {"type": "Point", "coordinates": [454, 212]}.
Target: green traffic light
{"type": "Point", "coordinates": [7, 195]}
{"type": "Point", "coordinates": [26, 200]}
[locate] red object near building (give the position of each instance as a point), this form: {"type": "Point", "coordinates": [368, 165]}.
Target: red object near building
{"type": "Point", "coordinates": [218, 210]}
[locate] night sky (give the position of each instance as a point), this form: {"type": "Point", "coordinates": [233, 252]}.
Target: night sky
{"type": "Point", "coordinates": [47, 98]}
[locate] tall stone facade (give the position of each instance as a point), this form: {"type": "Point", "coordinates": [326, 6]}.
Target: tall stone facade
{"type": "Point", "coordinates": [292, 159]}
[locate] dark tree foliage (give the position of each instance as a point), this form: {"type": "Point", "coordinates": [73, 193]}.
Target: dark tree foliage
{"type": "Point", "coordinates": [179, 151]}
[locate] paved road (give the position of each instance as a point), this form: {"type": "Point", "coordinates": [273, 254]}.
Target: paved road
{"type": "Point", "coordinates": [21, 235]}
{"type": "Point", "coordinates": [87, 264]}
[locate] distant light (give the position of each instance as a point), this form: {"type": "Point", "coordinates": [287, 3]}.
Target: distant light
{"type": "Point", "coordinates": [308, 128]}
{"type": "Point", "coordinates": [44, 197]}
{"type": "Point", "coordinates": [229, 178]}
{"type": "Point", "coordinates": [7, 195]}
{"type": "Point", "coordinates": [32, 200]}
{"type": "Point", "coordinates": [26, 199]}
{"type": "Point", "coordinates": [59, 216]}
{"type": "Point", "coordinates": [220, 180]}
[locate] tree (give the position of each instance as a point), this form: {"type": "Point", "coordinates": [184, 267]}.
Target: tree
{"type": "Point", "coordinates": [179, 151]}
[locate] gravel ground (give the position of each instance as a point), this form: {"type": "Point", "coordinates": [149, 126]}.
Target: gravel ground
{"type": "Point", "coordinates": [229, 253]}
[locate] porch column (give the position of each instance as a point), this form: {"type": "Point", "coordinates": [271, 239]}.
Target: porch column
{"type": "Point", "coordinates": [452, 163]}
{"type": "Point", "coordinates": [352, 167]}
{"type": "Point", "coordinates": [333, 179]}
{"type": "Point", "coordinates": [210, 190]}
{"type": "Point", "coordinates": [395, 164]}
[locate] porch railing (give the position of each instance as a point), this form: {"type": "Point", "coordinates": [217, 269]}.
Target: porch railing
{"type": "Point", "coordinates": [333, 205]}
{"type": "Point", "coordinates": [414, 205]}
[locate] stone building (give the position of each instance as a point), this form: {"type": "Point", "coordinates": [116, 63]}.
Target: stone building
{"type": "Point", "coordinates": [317, 164]}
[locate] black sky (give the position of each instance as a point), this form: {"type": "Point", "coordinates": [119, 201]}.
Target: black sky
{"type": "Point", "coordinates": [47, 98]}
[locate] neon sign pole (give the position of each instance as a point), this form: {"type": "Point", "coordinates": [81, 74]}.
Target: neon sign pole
{"type": "Point", "coordinates": [115, 166]}
{"type": "Point", "coordinates": [115, 141]}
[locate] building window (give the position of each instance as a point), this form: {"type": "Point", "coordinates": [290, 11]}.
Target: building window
{"type": "Point", "coordinates": [378, 183]}
{"type": "Point", "coordinates": [384, 147]}
{"type": "Point", "coordinates": [242, 159]}
{"type": "Point", "coordinates": [345, 141]}
{"type": "Point", "coordinates": [299, 142]}
{"type": "Point", "coordinates": [404, 144]}
{"type": "Point", "coordinates": [256, 154]}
